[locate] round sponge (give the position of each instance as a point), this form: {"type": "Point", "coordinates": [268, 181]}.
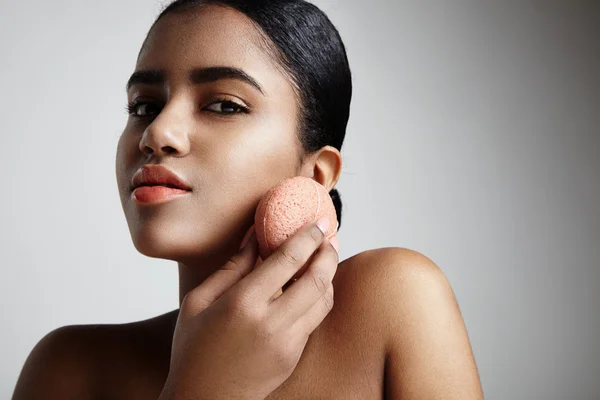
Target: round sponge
{"type": "Point", "coordinates": [288, 206]}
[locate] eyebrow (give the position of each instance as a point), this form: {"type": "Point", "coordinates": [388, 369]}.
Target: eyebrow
{"type": "Point", "coordinates": [196, 76]}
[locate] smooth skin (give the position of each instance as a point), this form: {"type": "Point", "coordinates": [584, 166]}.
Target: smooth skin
{"type": "Point", "coordinates": [384, 324]}
{"type": "Point", "coordinates": [254, 334]}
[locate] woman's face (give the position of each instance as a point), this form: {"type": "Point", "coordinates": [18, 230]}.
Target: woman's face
{"type": "Point", "coordinates": [229, 157]}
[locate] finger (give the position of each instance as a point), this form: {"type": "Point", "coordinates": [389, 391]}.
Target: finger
{"type": "Point", "coordinates": [315, 315]}
{"type": "Point", "coordinates": [213, 287]}
{"type": "Point", "coordinates": [299, 297]}
{"type": "Point", "coordinates": [335, 243]}
{"type": "Point", "coordinates": [247, 237]}
{"type": "Point", "coordinates": [281, 266]}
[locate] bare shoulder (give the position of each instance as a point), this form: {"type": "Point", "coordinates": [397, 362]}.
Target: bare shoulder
{"type": "Point", "coordinates": [57, 367]}
{"type": "Point", "coordinates": [373, 276]}
{"type": "Point", "coordinates": [427, 349]}
{"type": "Point", "coordinates": [387, 259]}
{"type": "Point", "coordinates": [72, 361]}
{"type": "Point", "coordinates": [372, 282]}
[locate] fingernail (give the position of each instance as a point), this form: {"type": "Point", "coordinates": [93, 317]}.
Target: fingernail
{"type": "Point", "coordinates": [335, 243]}
{"type": "Point", "coordinates": [323, 225]}
{"type": "Point", "coordinates": [247, 237]}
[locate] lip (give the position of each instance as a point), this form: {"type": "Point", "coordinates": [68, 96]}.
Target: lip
{"type": "Point", "coordinates": [155, 174]}
{"type": "Point", "coordinates": [152, 195]}
{"type": "Point", "coordinates": [155, 184]}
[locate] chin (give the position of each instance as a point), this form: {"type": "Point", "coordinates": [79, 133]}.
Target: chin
{"type": "Point", "coordinates": [157, 249]}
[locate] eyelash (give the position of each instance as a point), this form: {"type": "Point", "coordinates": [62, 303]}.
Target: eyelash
{"type": "Point", "coordinates": [131, 108]}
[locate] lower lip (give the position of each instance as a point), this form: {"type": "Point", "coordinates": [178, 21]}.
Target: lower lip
{"type": "Point", "coordinates": [156, 194]}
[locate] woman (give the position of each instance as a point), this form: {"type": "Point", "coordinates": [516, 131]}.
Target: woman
{"type": "Point", "coordinates": [228, 98]}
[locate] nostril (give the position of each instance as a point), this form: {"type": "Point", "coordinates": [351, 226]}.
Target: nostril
{"type": "Point", "coordinates": [147, 150]}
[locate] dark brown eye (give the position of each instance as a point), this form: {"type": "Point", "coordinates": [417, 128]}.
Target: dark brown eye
{"type": "Point", "coordinates": [143, 109]}
{"type": "Point", "coordinates": [226, 107]}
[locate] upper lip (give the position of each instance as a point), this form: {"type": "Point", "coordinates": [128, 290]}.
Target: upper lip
{"type": "Point", "coordinates": [154, 174]}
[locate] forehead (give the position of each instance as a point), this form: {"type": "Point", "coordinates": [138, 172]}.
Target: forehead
{"type": "Point", "coordinates": [209, 36]}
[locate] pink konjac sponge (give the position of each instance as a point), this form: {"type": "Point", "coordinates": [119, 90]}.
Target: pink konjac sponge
{"type": "Point", "coordinates": [288, 206]}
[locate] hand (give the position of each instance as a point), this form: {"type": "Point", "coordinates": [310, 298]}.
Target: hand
{"type": "Point", "coordinates": [235, 339]}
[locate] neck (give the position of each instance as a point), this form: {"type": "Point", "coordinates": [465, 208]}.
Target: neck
{"type": "Point", "coordinates": [193, 273]}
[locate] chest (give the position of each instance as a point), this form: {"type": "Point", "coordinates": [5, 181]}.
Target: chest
{"type": "Point", "coordinates": [328, 369]}
{"type": "Point", "coordinates": [344, 358]}
{"type": "Point", "coordinates": [335, 367]}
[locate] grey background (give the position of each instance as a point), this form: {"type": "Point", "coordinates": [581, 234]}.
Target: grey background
{"type": "Point", "coordinates": [474, 138]}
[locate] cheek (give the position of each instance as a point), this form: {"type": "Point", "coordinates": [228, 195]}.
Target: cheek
{"type": "Point", "coordinates": [123, 159]}
{"type": "Point", "coordinates": [234, 169]}
{"type": "Point", "coordinates": [262, 157]}
{"type": "Point", "coordinates": [119, 161]}
{"type": "Point", "coordinates": [249, 170]}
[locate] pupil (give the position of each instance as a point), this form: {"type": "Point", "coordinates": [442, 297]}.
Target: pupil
{"type": "Point", "coordinates": [146, 109]}
{"type": "Point", "coordinates": [229, 106]}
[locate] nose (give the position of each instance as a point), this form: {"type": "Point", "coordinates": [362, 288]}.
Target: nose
{"type": "Point", "coordinates": [166, 135]}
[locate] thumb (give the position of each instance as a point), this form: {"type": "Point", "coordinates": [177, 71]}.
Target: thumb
{"type": "Point", "coordinates": [238, 266]}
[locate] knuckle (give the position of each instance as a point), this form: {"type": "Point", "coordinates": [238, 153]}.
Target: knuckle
{"type": "Point", "coordinates": [233, 264]}
{"type": "Point", "coordinates": [291, 255]}
{"type": "Point", "coordinates": [192, 302]}
{"type": "Point", "coordinates": [316, 234]}
{"type": "Point", "coordinates": [320, 280]}
{"type": "Point", "coordinates": [237, 302]}
{"type": "Point", "coordinates": [332, 259]}
{"type": "Point", "coordinates": [333, 253]}
{"type": "Point", "coordinates": [185, 306]}
{"type": "Point", "coordinates": [239, 305]}
{"type": "Point", "coordinates": [186, 299]}
{"type": "Point", "coordinates": [280, 357]}
{"type": "Point", "coordinates": [269, 331]}
{"type": "Point", "coordinates": [328, 299]}
{"type": "Point", "coordinates": [283, 356]}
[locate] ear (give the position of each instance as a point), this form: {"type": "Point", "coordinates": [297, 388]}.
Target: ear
{"type": "Point", "coordinates": [324, 166]}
